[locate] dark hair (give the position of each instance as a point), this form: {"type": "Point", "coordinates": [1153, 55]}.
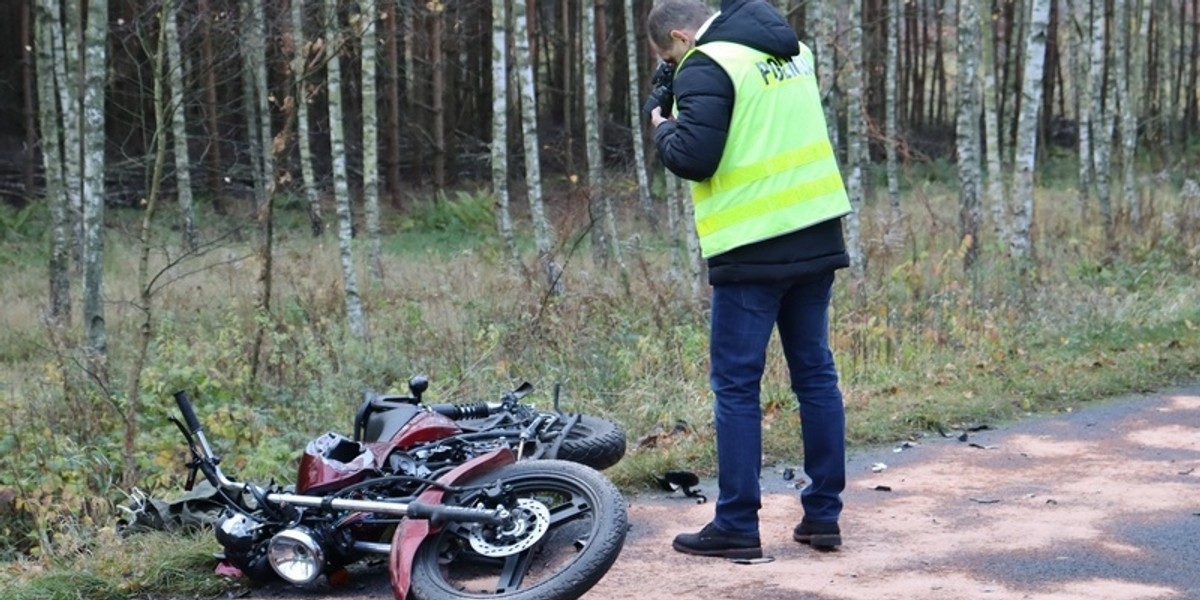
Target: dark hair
{"type": "Point", "coordinates": [675, 14]}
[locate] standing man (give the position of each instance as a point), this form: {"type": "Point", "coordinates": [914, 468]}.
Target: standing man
{"type": "Point", "coordinates": [748, 131]}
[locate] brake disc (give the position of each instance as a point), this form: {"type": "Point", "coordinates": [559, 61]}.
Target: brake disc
{"type": "Point", "coordinates": [530, 521]}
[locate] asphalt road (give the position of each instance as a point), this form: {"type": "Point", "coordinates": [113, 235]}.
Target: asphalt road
{"type": "Point", "coordinates": [1098, 503]}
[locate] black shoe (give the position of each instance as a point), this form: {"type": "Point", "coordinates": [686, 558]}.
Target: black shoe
{"type": "Point", "coordinates": [714, 541]}
{"type": "Point", "coordinates": [821, 536]}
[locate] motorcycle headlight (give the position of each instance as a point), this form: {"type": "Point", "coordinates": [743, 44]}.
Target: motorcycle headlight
{"type": "Point", "coordinates": [296, 555]}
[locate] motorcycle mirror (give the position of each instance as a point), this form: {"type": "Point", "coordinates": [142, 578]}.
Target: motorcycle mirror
{"type": "Point", "coordinates": [418, 384]}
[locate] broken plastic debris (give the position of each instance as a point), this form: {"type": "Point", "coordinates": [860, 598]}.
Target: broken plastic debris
{"type": "Point", "coordinates": [878, 467]}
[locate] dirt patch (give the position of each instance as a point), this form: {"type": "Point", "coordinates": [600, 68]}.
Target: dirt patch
{"type": "Point", "coordinates": [1100, 504]}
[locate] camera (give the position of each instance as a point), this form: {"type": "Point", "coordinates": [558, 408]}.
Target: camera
{"type": "Point", "coordinates": [661, 93]}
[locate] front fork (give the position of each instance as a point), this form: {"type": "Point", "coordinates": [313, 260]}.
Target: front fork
{"type": "Point", "coordinates": [411, 532]}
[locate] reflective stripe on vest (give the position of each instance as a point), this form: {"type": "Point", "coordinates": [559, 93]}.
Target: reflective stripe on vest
{"type": "Point", "coordinates": [778, 173]}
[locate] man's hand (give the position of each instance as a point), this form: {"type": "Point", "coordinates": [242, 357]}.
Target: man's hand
{"type": "Point", "coordinates": [656, 117]}
{"type": "Point", "coordinates": [661, 96]}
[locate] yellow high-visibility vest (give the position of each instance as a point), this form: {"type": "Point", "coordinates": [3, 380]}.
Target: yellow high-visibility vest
{"type": "Point", "coordinates": [778, 173]}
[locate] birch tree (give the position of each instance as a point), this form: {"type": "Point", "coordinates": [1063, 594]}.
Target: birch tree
{"type": "Point", "coordinates": [95, 70]}
{"type": "Point", "coordinates": [308, 177]}
{"type": "Point", "coordinates": [826, 25]}
{"type": "Point", "coordinates": [678, 194]}
{"type": "Point", "coordinates": [604, 224]}
{"type": "Point", "coordinates": [500, 131]}
{"type": "Point", "coordinates": [890, 75]}
{"type": "Point", "coordinates": [52, 161]}
{"type": "Point", "coordinates": [967, 144]}
{"type": "Point", "coordinates": [183, 176]}
{"type": "Point", "coordinates": [1130, 108]}
{"type": "Point", "coordinates": [1081, 73]}
{"type": "Point", "coordinates": [370, 136]}
{"type": "Point", "coordinates": [635, 119]}
{"type": "Point", "coordinates": [341, 187]}
{"type": "Point", "coordinates": [855, 134]}
{"type": "Point", "coordinates": [533, 172]}
{"type": "Point", "coordinates": [997, 198]}
{"type": "Point", "coordinates": [1026, 152]}
{"type": "Point", "coordinates": [1101, 123]}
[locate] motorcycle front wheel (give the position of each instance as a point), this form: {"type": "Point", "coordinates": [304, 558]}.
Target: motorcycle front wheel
{"type": "Point", "coordinates": [573, 527]}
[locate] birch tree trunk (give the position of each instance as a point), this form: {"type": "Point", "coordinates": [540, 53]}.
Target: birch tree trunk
{"type": "Point", "coordinates": [341, 187]}
{"type": "Point", "coordinates": [1026, 153]}
{"type": "Point", "coordinates": [997, 197]}
{"type": "Point", "coordinates": [370, 136]}
{"type": "Point", "coordinates": [92, 191]}
{"type": "Point", "coordinates": [697, 273]}
{"type": "Point", "coordinates": [533, 173]}
{"type": "Point", "coordinates": [299, 75]}
{"type": "Point", "coordinates": [826, 38]}
{"type": "Point", "coordinates": [635, 119]}
{"type": "Point", "coordinates": [500, 132]}
{"type": "Point", "coordinates": [890, 75]}
{"type": "Point", "coordinates": [69, 73]}
{"type": "Point", "coordinates": [438, 93]}
{"type": "Point", "coordinates": [856, 132]}
{"type": "Point", "coordinates": [968, 132]}
{"type": "Point", "coordinates": [30, 110]}
{"type": "Point", "coordinates": [1129, 108]}
{"type": "Point", "coordinates": [183, 165]}
{"type": "Point", "coordinates": [1081, 66]}
{"type": "Point", "coordinates": [604, 224]}
{"type": "Point", "coordinates": [1102, 129]}
{"type": "Point", "coordinates": [52, 160]}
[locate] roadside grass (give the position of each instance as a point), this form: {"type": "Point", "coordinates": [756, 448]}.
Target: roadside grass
{"type": "Point", "coordinates": [924, 348]}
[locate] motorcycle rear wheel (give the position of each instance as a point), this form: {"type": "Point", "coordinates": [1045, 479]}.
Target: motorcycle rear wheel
{"type": "Point", "coordinates": [592, 441]}
{"type": "Point", "coordinates": [584, 534]}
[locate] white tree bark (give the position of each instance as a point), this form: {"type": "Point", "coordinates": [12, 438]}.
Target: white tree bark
{"type": "Point", "coordinates": [968, 131]}
{"type": "Point", "coordinates": [891, 73]}
{"type": "Point", "coordinates": [500, 131]}
{"type": "Point", "coordinates": [698, 275]}
{"type": "Point", "coordinates": [69, 73]}
{"type": "Point", "coordinates": [1102, 128]}
{"type": "Point", "coordinates": [299, 75]}
{"type": "Point", "coordinates": [591, 135]}
{"type": "Point", "coordinates": [48, 55]}
{"type": "Point", "coordinates": [856, 132]}
{"type": "Point", "coordinates": [370, 133]}
{"type": "Point", "coordinates": [996, 193]}
{"type": "Point", "coordinates": [825, 24]}
{"type": "Point", "coordinates": [95, 83]}
{"type": "Point", "coordinates": [341, 187]}
{"type": "Point", "coordinates": [1021, 243]}
{"type": "Point", "coordinates": [635, 119]}
{"type": "Point", "coordinates": [605, 227]}
{"type": "Point", "coordinates": [1129, 107]}
{"type": "Point", "coordinates": [183, 176]}
{"type": "Point", "coordinates": [533, 172]}
{"type": "Point", "coordinates": [1081, 66]}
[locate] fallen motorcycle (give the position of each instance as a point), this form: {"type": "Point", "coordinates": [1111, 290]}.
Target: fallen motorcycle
{"type": "Point", "coordinates": [457, 514]}
{"type": "Point", "coordinates": [531, 433]}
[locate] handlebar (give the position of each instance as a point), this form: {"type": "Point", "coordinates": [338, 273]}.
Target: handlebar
{"type": "Point", "coordinates": [189, 414]}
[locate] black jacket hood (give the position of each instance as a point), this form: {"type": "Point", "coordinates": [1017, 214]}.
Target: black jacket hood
{"type": "Point", "coordinates": [753, 23]}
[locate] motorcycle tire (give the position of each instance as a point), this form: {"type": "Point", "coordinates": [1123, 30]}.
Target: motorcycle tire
{"type": "Point", "coordinates": [581, 539]}
{"type": "Point", "coordinates": [592, 441]}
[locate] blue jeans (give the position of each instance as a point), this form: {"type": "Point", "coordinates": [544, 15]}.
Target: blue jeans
{"type": "Point", "coordinates": [743, 316]}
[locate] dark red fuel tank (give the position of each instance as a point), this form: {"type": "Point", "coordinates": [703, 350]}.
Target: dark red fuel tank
{"type": "Point", "coordinates": [332, 461]}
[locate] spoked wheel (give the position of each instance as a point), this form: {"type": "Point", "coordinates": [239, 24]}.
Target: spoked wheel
{"type": "Point", "coordinates": [568, 527]}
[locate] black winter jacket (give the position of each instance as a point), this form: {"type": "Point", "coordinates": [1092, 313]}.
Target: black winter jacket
{"type": "Point", "coordinates": [691, 146]}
